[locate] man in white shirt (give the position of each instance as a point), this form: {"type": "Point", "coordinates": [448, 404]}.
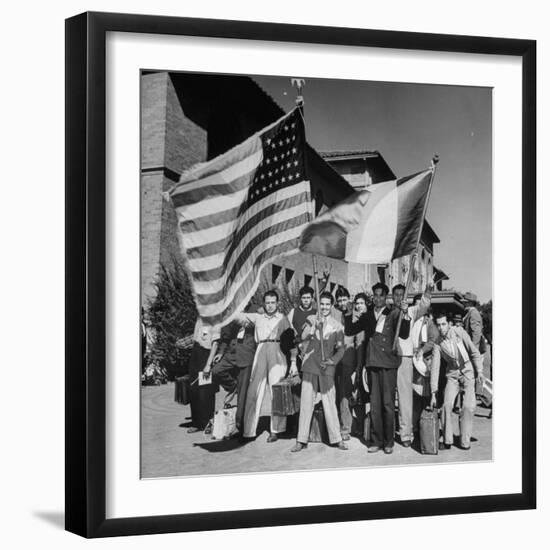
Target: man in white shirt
{"type": "Point", "coordinates": [269, 366]}
{"type": "Point", "coordinates": [405, 350]}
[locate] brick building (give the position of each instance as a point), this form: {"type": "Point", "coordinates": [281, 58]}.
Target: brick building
{"type": "Point", "coordinates": [188, 118]}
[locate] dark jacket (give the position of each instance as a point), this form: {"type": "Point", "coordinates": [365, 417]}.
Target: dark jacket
{"type": "Point", "coordinates": [238, 350]}
{"type": "Point", "coordinates": [379, 342]}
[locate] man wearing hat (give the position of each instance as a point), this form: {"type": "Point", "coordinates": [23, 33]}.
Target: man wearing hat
{"type": "Point", "coordinates": [473, 323]}
{"type": "Point", "coordinates": [423, 337]}
{"type": "Point", "coordinates": [457, 320]}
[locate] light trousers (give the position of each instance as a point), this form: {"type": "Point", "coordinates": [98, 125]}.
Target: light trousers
{"type": "Point", "coordinates": [312, 384]}
{"type": "Point", "coordinates": [456, 381]}
{"type": "Point", "coordinates": [269, 368]}
{"type": "Point", "coordinates": [405, 397]}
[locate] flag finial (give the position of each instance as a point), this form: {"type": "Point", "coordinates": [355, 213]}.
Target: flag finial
{"type": "Point", "coordinates": [299, 83]}
{"type": "Point", "coordinates": [435, 160]}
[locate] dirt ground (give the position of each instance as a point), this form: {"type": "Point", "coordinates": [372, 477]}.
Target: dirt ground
{"type": "Point", "coordinates": [168, 450]}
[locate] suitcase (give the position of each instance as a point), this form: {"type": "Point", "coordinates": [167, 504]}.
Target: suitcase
{"type": "Point", "coordinates": [286, 397]}
{"type": "Point", "coordinates": [429, 432]}
{"type": "Point", "coordinates": [487, 397]}
{"type": "Point", "coordinates": [318, 431]}
{"type": "Point", "coordinates": [224, 423]}
{"type": "Point", "coordinates": [357, 420]}
{"type": "Point", "coordinates": [182, 390]}
{"type": "Point", "coordinates": [484, 392]}
{"type": "Point", "coordinates": [177, 391]}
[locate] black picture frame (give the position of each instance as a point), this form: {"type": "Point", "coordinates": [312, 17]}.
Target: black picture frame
{"type": "Point", "coordinates": [86, 273]}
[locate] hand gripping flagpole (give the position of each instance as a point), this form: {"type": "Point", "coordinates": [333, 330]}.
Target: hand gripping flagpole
{"type": "Point", "coordinates": [414, 255]}
{"type": "Point", "coordinates": [300, 83]}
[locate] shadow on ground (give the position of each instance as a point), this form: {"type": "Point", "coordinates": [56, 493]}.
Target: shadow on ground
{"type": "Point", "coordinates": [220, 446]}
{"type": "Point", "coordinates": [57, 519]}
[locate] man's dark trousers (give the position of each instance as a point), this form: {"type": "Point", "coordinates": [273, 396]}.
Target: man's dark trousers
{"type": "Point", "coordinates": [382, 385]}
{"type": "Point", "coordinates": [231, 377]}
{"type": "Point", "coordinates": [202, 397]}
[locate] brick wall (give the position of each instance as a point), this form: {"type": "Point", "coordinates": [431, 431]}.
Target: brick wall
{"type": "Point", "coordinates": [171, 143]}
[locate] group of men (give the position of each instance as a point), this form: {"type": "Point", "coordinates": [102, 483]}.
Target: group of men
{"type": "Point", "coordinates": [362, 351]}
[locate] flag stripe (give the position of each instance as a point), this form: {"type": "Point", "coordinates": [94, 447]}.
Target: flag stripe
{"type": "Point", "coordinates": [215, 242]}
{"type": "Point", "coordinates": [211, 206]}
{"type": "Point", "coordinates": [213, 282]}
{"type": "Point", "coordinates": [214, 314]}
{"type": "Point", "coordinates": [241, 183]}
{"type": "Point", "coordinates": [207, 222]}
{"type": "Point", "coordinates": [213, 255]}
{"type": "Point", "coordinates": [224, 216]}
{"type": "Point", "coordinates": [221, 168]}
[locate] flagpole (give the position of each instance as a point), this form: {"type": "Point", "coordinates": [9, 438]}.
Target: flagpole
{"type": "Point", "coordinates": [299, 83]}
{"type": "Point", "coordinates": [414, 255]}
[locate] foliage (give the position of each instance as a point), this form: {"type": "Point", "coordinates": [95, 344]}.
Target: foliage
{"type": "Point", "coordinates": [171, 315]}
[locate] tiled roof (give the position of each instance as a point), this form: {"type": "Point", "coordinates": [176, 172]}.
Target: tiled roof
{"type": "Point", "coordinates": [353, 153]}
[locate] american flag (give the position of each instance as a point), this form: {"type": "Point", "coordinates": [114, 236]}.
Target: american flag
{"type": "Point", "coordinates": [240, 211]}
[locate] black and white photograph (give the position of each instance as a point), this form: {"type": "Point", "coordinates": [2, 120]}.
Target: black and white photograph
{"type": "Point", "coordinates": [316, 274]}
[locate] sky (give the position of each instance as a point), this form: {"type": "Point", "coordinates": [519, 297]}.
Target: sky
{"type": "Point", "coordinates": [408, 124]}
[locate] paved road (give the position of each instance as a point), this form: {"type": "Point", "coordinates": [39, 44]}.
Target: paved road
{"type": "Point", "coordinates": [168, 450]}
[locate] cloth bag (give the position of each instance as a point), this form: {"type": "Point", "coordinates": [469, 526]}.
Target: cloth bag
{"type": "Point", "coordinates": [224, 423]}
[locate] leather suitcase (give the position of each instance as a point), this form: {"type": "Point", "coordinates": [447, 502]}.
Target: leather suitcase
{"type": "Point", "coordinates": [286, 397]}
{"type": "Point", "coordinates": [484, 392]}
{"type": "Point", "coordinates": [318, 431]}
{"type": "Point", "coordinates": [429, 432]}
{"type": "Point", "coordinates": [177, 391]}
{"type": "Point", "coordinates": [182, 390]}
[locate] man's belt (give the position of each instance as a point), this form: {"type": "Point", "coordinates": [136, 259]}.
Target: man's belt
{"type": "Point", "coordinates": [268, 340]}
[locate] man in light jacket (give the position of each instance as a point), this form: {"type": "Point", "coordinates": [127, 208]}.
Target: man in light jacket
{"type": "Point", "coordinates": [318, 374]}
{"type": "Point", "coordinates": [463, 365]}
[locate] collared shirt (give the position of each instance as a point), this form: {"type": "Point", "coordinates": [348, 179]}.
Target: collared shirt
{"type": "Point", "coordinates": [380, 327]}
{"type": "Point", "coordinates": [405, 346]}
{"type": "Point", "coordinates": [267, 327]}
{"type": "Point", "coordinates": [454, 350]}
{"type": "Point", "coordinates": [378, 312]}
{"type": "Point", "coordinates": [459, 353]}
